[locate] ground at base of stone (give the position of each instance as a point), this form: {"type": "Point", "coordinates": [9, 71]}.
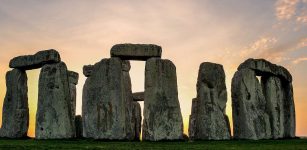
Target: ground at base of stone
{"type": "Point", "coordinates": [91, 144]}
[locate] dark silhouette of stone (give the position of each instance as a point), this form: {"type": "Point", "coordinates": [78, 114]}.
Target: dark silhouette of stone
{"type": "Point", "coordinates": [138, 96]}
{"type": "Point", "coordinates": [78, 125]}
{"type": "Point", "coordinates": [262, 109]}
{"type": "Point", "coordinates": [162, 114]}
{"type": "Point", "coordinates": [209, 120]}
{"type": "Point", "coordinates": [73, 78]}
{"type": "Point", "coordinates": [87, 70]}
{"type": "Point", "coordinates": [15, 113]}
{"type": "Point", "coordinates": [35, 61]}
{"type": "Point", "coordinates": [136, 51]}
{"type": "Point", "coordinates": [54, 114]}
{"type": "Point", "coordinates": [137, 120]}
{"type": "Point", "coordinates": [108, 93]}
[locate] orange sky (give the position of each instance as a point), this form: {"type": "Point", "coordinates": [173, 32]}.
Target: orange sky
{"type": "Point", "coordinates": [190, 32]}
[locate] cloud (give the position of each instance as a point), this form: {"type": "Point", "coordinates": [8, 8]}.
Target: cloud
{"type": "Point", "coordinates": [259, 46]}
{"type": "Point", "coordinates": [285, 9]}
{"type": "Point", "coordinates": [298, 60]}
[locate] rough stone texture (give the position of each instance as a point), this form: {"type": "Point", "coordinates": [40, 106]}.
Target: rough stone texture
{"type": "Point", "coordinates": [87, 70]}
{"type": "Point", "coordinates": [209, 121]}
{"type": "Point", "coordinates": [262, 109]}
{"type": "Point", "coordinates": [138, 96]}
{"type": "Point", "coordinates": [264, 67]}
{"type": "Point", "coordinates": [136, 51]}
{"type": "Point", "coordinates": [248, 107]}
{"type": "Point", "coordinates": [35, 61]}
{"type": "Point", "coordinates": [78, 125]}
{"type": "Point", "coordinates": [192, 120]}
{"type": "Point", "coordinates": [162, 114]}
{"type": "Point", "coordinates": [15, 113]}
{"type": "Point", "coordinates": [137, 120]}
{"type": "Point", "coordinates": [106, 92]}
{"type": "Point", "coordinates": [54, 115]}
{"type": "Point", "coordinates": [73, 78]}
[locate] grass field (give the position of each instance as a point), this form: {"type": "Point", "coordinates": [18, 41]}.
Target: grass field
{"type": "Point", "coordinates": [90, 144]}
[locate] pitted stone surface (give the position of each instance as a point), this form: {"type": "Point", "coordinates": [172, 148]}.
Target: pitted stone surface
{"type": "Point", "coordinates": [15, 113]}
{"type": "Point", "coordinates": [162, 114]}
{"type": "Point", "coordinates": [54, 114]}
{"type": "Point", "coordinates": [138, 96]}
{"type": "Point", "coordinates": [136, 51]}
{"type": "Point", "coordinates": [108, 92]}
{"type": "Point", "coordinates": [137, 120]}
{"type": "Point", "coordinates": [87, 70]}
{"type": "Point", "coordinates": [262, 109]}
{"type": "Point", "coordinates": [35, 61]}
{"type": "Point", "coordinates": [209, 120]}
{"type": "Point", "coordinates": [73, 77]}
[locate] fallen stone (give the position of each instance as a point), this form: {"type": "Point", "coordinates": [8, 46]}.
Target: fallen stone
{"type": "Point", "coordinates": [87, 70]}
{"type": "Point", "coordinates": [78, 125]}
{"type": "Point", "coordinates": [138, 96]}
{"type": "Point", "coordinates": [106, 92]}
{"type": "Point", "coordinates": [35, 61]}
{"type": "Point", "coordinates": [15, 113]}
{"type": "Point", "coordinates": [54, 114]}
{"type": "Point", "coordinates": [162, 114]}
{"type": "Point", "coordinates": [136, 51]}
{"type": "Point", "coordinates": [209, 120]}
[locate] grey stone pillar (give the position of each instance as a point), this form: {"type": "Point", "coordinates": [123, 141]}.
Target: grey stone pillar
{"type": "Point", "coordinates": [162, 114]}
{"type": "Point", "coordinates": [15, 112]}
{"type": "Point", "coordinates": [54, 114]}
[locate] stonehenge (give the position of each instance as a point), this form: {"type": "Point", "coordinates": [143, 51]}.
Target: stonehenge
{"type": "Point", "coordinates": [262, 108]}
{"type": "Point", "coordinates": [261, 98]}
{"type": "Point", "coordinates": [208, 120]}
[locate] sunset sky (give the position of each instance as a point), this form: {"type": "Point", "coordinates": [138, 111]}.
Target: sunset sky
{"type": "Point", "coordinates": [190, 32]}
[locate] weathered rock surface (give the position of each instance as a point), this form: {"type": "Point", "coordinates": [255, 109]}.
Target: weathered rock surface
{"type": "Point", "coordinates": [15, 113]}
{"type": "Point", "coordinates": [263, 67]}
{"type": "Point", "coordinates": [138, 96]}
{"type": "Point", "coordinates": [73, 78]}
{"type": "Point", "coordinates": [106, 92]}
{"type": "Point", "coordinates": [87, 70]}
{"type": "Point", "coordinates": [78, 125]}
{"type": "Point", "coordinates": [137, 120]}
{"type": "Point", "coordinates": [35, 61]}
{"type": "Point", "coordinates": [162, 114]}
{"type": "Point", "coordinates": [54, 114]}
{"type": "Point", "coordinates": [209, 120]}
{"type": "Point", "coordinates": [136, 51]}
{"type": "Point", "coordinates": [262, 110]}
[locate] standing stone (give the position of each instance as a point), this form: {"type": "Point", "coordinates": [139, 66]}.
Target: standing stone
{"type": "Point", "coordinates": [54, 115]}
{"type": "Point", "coordinates": [136, 51]}
{"type": "Point", "coordinates": [15, 113]}
{"type": "Point", "coordinates": [162, 114]}
{"type": "Point", "coordinates": [35, 61]}
{"type": "Point", "coordinates": [248, 107]}
{"type": "Point", "coordinates": [137, 120]}
{"type": "Point", "coordinates": [192, 120]}
{"type": "Point", "coordinates": [73, 78]}
{"type": "Point", "coordinates": [78, 125]}
{"type": "Point", "coordinates": [106, 101]}
{"type": "Point", "coordinates": [87, 70]}
{"type": "Point", "coordinates": [209, 120]}
{"type": "Point", "coordinates": [271, 99]}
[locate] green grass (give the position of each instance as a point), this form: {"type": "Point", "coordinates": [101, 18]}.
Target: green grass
{"type": "Point", "coordinates": [91, 144]}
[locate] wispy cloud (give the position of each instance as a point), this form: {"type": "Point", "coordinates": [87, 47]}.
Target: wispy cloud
{"type": "Point", "coordinates": [298, 60]}
{"type": "Point", "coordinates": [285, 9]}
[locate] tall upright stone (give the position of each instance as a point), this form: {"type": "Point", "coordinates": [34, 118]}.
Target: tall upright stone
{"type": "Point", "coordinates": [162, 114]}
{"type": "Point", "coordinates": [137, 120]}
{"type": "Point", "coordinates": [106, 92]}
{"type": "Point", "coordinates": [73, 78]}
{"type": "Point", "coordinates": [15, 113]}
{"type": "Point", "coordinates": [262, 109]}
{"type": "Point", "coordinates": [209, 120]}
{"type": "Point", "coordinates": [54, 114]}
